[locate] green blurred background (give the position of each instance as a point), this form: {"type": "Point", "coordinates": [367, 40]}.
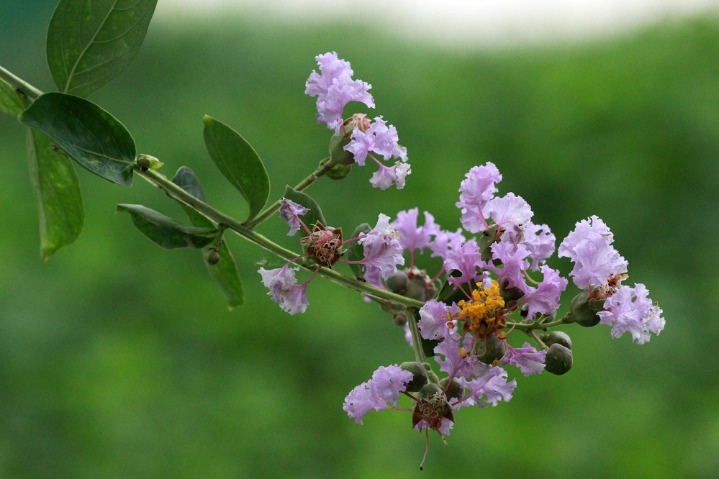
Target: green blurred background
{"type": "Point", "coordinates": [119, 359]}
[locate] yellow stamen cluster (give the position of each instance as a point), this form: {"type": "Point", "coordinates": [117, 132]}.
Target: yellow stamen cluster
{"type": "Point", "coordinates": [483, 314]}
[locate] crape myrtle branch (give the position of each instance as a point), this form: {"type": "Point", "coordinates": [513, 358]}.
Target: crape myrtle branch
{"type": "Point", "coordinates": [176, 192]}
{"type": "Point", "coordinates": [462, 316]}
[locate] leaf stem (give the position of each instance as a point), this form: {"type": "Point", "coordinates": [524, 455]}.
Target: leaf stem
{"type": "Point", "coordinates": [176, 192]}
{"type": "Point", "coordinates": [20, 85]}
{"type": "Point", "coordinates": [325, 165]}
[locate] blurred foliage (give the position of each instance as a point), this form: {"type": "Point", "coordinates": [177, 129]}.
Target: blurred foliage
{"type": "Point", "coordinates": [119, 359]}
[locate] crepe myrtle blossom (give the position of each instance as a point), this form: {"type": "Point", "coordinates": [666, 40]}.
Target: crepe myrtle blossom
{"type": "Point", "coordinates": [290, 213]}
{"type": "Point", "coordinates": [599, 269]}
{"type": "Point", "coordinates": [285, 291]}
{"type": "Point", "coordinates": [629, 310]}
{"type": "Point", "coordinates": [358, 135]}
{"type": "Point", "coordinates": [382, 251]}
{"type": "Point", "coordinates": [334, 89]}
{"type": "Point", "coordinates": [380, 392]}
{"type": "Point", "coordinates": [324, 245]}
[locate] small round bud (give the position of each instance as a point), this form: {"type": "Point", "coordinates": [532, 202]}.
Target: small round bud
{"type": "Point", "coordinates": [397, 282]}
{"type": "Point", "coordinates": [558, 337]}
{"type": "Point", "coordinates": [419, 375]}
{"type": "Point", "coordinates": [212, 257]}
{"type": "Point", "coordinates": [454, 391]}
{"type": "Point", "coordinates": [490, 349]}
{"type": "Point", "coordinates": [558, 360]}
{"type": "Point", "coordinates": [400, 319]}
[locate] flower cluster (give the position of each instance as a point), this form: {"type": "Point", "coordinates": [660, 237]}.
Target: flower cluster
{"type": "Point", "coordinates": [494, 283]}
{"type": "Point", "coordinates": [358, 135]}
{"type": "Point", "coordinates": [499, 284]}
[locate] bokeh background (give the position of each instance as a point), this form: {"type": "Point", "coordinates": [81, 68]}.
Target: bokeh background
{"type": "Point", "coordinates": [119, 359]}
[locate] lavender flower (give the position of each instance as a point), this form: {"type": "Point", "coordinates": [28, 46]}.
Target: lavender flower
{"type": "Point", "coordinates": [630, 310]}
{"type": "Point", "coordinates": [284, 289]}
{"type": "Point", "coordinates": [527, 359]}
{"type": "Point", "coordinates": [334, 89]}
{"type": "Point", "coordinates": [380, 392]}
{"type": "Point", "coordinates": [589, 246]}
{"type": "Point", "coordinates": [382, 251]}
{"type": "Point", "coordinates": [476, 190]}
{"type": "Point", "coordinates": [290, 213]}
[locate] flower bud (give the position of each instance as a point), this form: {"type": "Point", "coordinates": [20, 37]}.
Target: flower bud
{"type": "Point", "coordinates": [558, 337]}
{"type": "Point", "coordinates": [212, 256]}
{"type": "Point", "coordinates": [400, 319]}
{"type": "Point", "coordinates": [490, 349]}
{"type": "Point", "coordinates": [558, 360]}
{"type": "Point", "coordinates": [419, 375]}
{"type": "Point", "coordinates": [454, 391]}
{"type": "Point", "coordinates": [583, 311]}
{"type": "Point", "coordinates": [397, 282]}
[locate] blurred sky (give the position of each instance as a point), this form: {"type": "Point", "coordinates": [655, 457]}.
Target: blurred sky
{"type": "Point", "coordinates": [471, 23]}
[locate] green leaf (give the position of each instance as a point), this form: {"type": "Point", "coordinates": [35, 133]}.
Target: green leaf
{"type": "Point", "coordinates": [165, 231]}
{"type": "Point", "coordinates": [226, 276]}
{"type": "Point", "coordinates": [89, 134]}
{"type": "Point", "coordinates": [224, 273]}
{"type": "Point", "coordinates": [239, 162]}
{"type": "Point", "coordinates": [314, 214]}
{"type": "Point", "coordinates": [91, 42]}
{"type": "Point", "coordinates": [57, 192]}
{"type": "Point", "coordinates": [11, 102]}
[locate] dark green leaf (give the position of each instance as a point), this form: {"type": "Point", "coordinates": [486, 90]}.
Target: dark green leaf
{"type": "Point", "coordinates": [89, 134]}
{"type": "Point", "coordinates": [57, 192]}
{"type": "Point", "coordinates": [186, 179]}
{"type": "Point", "coordinates": [91, 42]}
{"type": "Point", "coordinates": [11, 102]}
{"type": "Point", "coordinates": [165, 231]}
{"type": "Point", "coordinates": [314, 214]}
{"type": "Point", "coordinates": [226, 276]}
{"type": "Point", "coordinates": [355, 251]}
{"type": "Point", "coordinates": [224, 273]}
{"type": "Point", "coordinates": [238, 162]}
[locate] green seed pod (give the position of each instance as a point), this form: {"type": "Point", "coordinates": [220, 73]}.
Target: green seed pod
{"type": "Point", "coordinates": [485, 241]}
{"type": "Point", "coordinates": [419, 375]}
{"type": "Point", "coordinates": [454, 391]}
{"type": "Point", "coordinates": [558, 337]}
{"type": "Point", "coordinates": [212, 256]}
{"type": "Point", "coordinates": [397, 282]}
{"type": "Point", "coordinates": [490, 349]}
{"type": "Point", "coordinates": [559, 359]}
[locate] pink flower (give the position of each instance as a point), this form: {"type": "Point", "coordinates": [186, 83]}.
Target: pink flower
{"type": "Point", "coordinates": [382, 251]}
{"type": "Point", "coordinates": [380, 392]}
{"type": "Point", "coordinates": [334, 89]}
{"type": "Point", "coordinates": [630, 310]}
{"type": "Point", "coordinates": [284, 289]}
